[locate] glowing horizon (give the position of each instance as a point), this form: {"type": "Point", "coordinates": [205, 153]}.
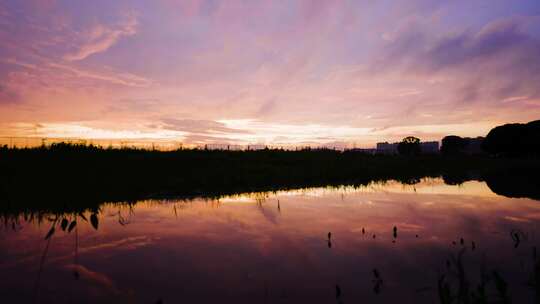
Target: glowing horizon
{"type": "Point", "coordinates": [323, 73]}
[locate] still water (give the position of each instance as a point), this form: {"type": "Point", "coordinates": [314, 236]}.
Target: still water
{"type": "Point", "coordinates": [462, 242]}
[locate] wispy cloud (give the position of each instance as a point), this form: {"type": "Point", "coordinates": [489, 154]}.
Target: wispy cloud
{"type": "Point", "coordinates": [200, 126]}
{"type": "Point", "coordinates": [283, 72]}
{"type": "Point", "coordinates": [85, 130]}
{"type": "Point", "coordinates": [119, 78]}
{"type": "Point", "coordinates": [499, 60]}
{"type": "Point", "coordinates": [101, 37]}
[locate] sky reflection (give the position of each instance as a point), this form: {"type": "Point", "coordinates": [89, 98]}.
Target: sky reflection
{"type": "Point", "coordinates": [274, 247]}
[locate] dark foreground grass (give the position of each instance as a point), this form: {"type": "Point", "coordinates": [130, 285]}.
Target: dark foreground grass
{"type": "Point", "coordinates": [65, 176]}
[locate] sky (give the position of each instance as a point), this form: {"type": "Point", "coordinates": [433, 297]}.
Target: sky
{"type": "Point", "coordinates": [336, 73]}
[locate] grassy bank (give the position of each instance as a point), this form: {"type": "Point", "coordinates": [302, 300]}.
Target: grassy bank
{"type": "Point", "coordinates": [76, 176]}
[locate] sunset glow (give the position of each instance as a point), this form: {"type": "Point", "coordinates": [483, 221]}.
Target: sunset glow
{"type": "Point", "coordinates": [284, 73]}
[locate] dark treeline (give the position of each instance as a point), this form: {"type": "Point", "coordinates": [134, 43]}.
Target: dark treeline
{"type": "Point", "coordinates": [77, 176]}
{"type": "Point", "coordinates": [509, 140]}
{"type": "Point", "coordinates": [454, 145]}
{"type": "Point", "coordinates": [514, 140]}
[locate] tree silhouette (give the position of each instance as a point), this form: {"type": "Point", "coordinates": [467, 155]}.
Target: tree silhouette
{"type": "Point", "coordinates": [453, 144]}
{"type": "Point", "coordinates": [514, 140]}
{"type": "Point", "coordinates": [410, 145]}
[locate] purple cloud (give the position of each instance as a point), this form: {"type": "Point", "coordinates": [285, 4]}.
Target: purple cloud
{"type": "Point", "coordinates": [501, 53]}
{"type": "Point", "coordinates": [100, 38]}
{"type": "Point", "coordinates": [405, 66]}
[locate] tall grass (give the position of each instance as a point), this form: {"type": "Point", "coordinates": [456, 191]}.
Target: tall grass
{"type": "Point", "coordinates": [74, 176]}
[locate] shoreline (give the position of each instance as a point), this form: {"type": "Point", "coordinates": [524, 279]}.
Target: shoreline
{"type": "Point", "coordinates": [77, 176]}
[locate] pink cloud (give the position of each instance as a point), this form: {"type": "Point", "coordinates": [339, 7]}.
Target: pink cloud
{"type": "Point", "coordinates": [100, 38]}
{"type": "Point", "coordinates": [282, 64]}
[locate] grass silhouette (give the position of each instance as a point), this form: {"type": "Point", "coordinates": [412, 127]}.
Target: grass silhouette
{"type": "Point", "coordinates": [75, 177]}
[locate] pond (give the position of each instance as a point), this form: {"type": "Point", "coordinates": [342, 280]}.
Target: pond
{"type": "Point", "coordinates": [381, 243]}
